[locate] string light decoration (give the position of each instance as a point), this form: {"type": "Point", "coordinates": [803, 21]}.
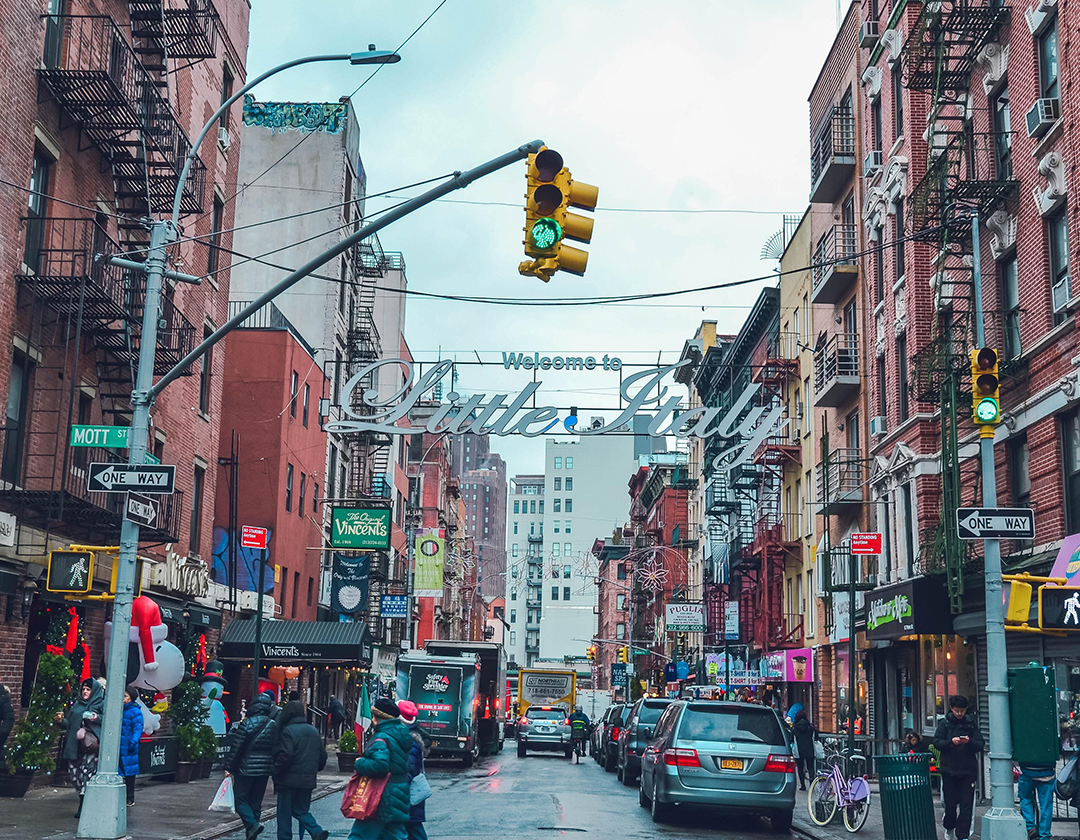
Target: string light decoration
{"type": "Point", "coordinates": [652, 576]}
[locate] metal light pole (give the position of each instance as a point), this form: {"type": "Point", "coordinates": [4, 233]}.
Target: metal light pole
{"type": "Point", "coordinates": [1002, 821]}
{"type": "Point", "coordinates": [256, 659]}
{"type": "Point", "coordinates": [104, 813]}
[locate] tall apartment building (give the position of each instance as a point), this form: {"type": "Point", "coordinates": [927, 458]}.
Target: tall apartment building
{"type": "Point", "coordinates": [301, 160]}
{"type": "Point", "coordinates": [524, 567]}
{"type": "Point", "coordinates": [482, 474]}
{"type": "Point", "coordinates": [101, 104]}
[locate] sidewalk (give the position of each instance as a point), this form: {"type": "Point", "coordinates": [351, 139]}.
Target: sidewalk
{"type": "Point", "coordinates": [162, 810]}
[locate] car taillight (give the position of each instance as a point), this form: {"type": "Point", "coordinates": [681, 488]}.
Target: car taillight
{"type": "Point", "coordinates": [681, 758]}
{"type": "Point", "coordinates": [780, 764]}
{"type": "Point", "coordinates": [524, 721]}
{"type": "Point", "coordinates": [615, 732]}
{"type": "Point", "coordinates": [566, 722]}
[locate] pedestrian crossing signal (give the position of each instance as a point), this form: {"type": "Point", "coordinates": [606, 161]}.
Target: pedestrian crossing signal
{"type": "Point", "coordinates": [552, 190]}
{"type": "Point", "coordinates": [70, 572]}
{"type": "Point", "coordinates": [1059, 608]}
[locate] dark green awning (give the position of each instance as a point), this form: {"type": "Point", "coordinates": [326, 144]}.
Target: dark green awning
{"type": "Point", "coordinates": [299, 641]}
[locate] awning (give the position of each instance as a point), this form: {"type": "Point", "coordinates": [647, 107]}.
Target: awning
{"type": "Point", "coordinates": [203, 618]}
{"type": "Point", "coordinates": [299, 641]}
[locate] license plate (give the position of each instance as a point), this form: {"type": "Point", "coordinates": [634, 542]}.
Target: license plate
{"type": "Point", "coordinates": [731, 764]}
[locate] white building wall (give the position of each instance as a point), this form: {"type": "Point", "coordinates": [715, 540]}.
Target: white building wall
{"type": "Point", "coordinates": [524, 518]}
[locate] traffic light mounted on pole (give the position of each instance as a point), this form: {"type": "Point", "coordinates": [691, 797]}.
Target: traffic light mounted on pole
{"type": "Point", "coordinates": [590, 652]}
{"type": "Point", "coordinates": [624, 655]}
{"type": "Point", "coordinates": [552, 190]}
{"type": "Point", "coordinates": [985, 389]}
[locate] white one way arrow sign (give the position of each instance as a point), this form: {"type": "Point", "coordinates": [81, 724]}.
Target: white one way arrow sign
{"type": "Point", "coordinates": [995, 523]}
{"type": "Point", "coordinates": [119, 478]}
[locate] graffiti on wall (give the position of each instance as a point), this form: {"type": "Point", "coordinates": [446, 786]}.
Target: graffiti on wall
{"type": "Point", "coordinates": [247, 563]}
{"type": "Point", "coordinates": [328, 117]}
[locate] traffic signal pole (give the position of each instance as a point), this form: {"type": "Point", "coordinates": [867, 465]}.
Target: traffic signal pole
{"type": "Point", "coordinates": [1002, 821]}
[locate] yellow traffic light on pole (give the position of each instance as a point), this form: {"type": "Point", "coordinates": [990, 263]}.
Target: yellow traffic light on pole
{"type": "Point", "coordinates": [552, 190]}
{"type": "Point", "coordinates": [985, 387]}
{"type": "Point", "coordinates": [624, 656]}
{"type": "Point", "coordinates": [590, 652]}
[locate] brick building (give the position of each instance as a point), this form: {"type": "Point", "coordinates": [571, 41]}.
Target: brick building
{"type": "Point", "coordinates": [482, 474]}
{"type": "Point", "coordinates": [89, 162]}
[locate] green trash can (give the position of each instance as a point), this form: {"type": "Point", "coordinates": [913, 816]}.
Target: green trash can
{"type": "Point", "coordinates": [907, 803]}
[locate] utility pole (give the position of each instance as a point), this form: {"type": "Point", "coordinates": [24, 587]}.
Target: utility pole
{"type": "Point", "coordinates": [255, 660]}
{"type": "Point", "coordinates": [1002, 821]}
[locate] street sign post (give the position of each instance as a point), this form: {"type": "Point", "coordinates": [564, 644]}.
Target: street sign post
{"type": "Point", "coordinates": [866, 543]}
{"type": "Point", "coordinates": [108, 437]}
{"type": "Point", "coordinates": [119, 478]}
{"type": "Point", "coordinates": [618, 674]}
{"type": "Point", "coordinates": [995, 523]}
{"type": "Point", "coordinates": [140, 509]}
{"type": "Point", "coordinates": [252, 536]}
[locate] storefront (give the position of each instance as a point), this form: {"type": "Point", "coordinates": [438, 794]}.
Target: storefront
{"type": "Point", "coordinates": [914, 662]}
{"type": "Point", "coordinates": [790, 676]}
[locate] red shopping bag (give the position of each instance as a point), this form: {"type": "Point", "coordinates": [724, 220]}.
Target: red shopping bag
{"type": "Point", "coordinates": [362, 795]}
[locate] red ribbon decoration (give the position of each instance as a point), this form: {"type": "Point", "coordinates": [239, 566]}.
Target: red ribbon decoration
{"type": "Point", "coordinates": [73, 632]}
{"type": "Point", "coordinates": [85, 663]}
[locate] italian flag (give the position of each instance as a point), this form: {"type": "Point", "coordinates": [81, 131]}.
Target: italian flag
{"type": "Point", "coordinates": [363, 718]}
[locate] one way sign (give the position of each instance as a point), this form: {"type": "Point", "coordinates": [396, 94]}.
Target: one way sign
{"type": "Point", "coordinates": [994, 523]}
{"type": "Point", "coordinates": [119, 478]}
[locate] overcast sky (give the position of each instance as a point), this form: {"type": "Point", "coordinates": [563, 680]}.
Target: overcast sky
{"type": "Point", "coordinates": [682, 106]}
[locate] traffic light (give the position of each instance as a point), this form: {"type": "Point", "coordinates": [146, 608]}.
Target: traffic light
{"type": "Point", "coordinates": [624, 655]}
{"type": "Point", "coordinates": [71, 572]}
{"type": "Point", "coordinates": [985, 387]}
{"type": "Point", "coordinates": [1017, 602]}
{"type": "Point", "coordinates": [1059, 608]}
{"type": "Point", "coordinates": [552, 190]}
{"type": "Point", "coordinates": [590, 652]}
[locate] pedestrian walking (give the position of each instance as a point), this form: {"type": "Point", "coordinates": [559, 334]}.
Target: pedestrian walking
{"type": "Point", "coordinates": [131, 729]}
{"type": "Point", "coordinates": [250, 760]}
{"type": "Point", "coordinates": [418, 812]}
{"type": "Point", "coordinates": [7, 721]}
{"type": "Point", "coordinates": [1035, 787]}
{"type": "Point", "coordinates": [805, 736]}
{"type": "Point", "coordinates": [338, 717]}
{"type": "Point", "coordinates": [958, 740]}
{"type": "Point", "coordinates": [299, 757]}
{"type": "Point", "coordinates": [914, 743]}
{"type": "Point", "coordinates": [387, 754]}
{"type": "Point", "coordinates": [84, 717]}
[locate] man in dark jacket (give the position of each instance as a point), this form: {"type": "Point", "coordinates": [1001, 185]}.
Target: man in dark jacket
{"type": "Point", "coordinates": [388, 753]}
{"type": "Point", "coordinates": [251, 761]}
{"type": "Point", "coordinates": [299, 758]}
{"type": "Point", "coordinates": [959, 742]}
{"type": "Point", "coordinates": [7, 721]}
{"type": "Point", "coordinates": [338, 716]}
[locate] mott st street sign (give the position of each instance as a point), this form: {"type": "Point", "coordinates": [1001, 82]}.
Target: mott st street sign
{"type": "Point", "coordinates": [119, 478]}
{"type": "Point", "coordinates": [995, 523]}
{"type": "Point", "coordinates": [109, 437]}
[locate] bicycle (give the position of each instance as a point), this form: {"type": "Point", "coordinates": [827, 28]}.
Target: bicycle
{"type": "Point", "coordinates": [831, 789]}
{"type": "Point", "coordinates": [578, 734]}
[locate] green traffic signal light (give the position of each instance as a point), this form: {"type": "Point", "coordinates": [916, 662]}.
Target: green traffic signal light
{"type": "Point", "coordinates": [545, 233]}
{"type": "Point", "coordinates": [987, 410]}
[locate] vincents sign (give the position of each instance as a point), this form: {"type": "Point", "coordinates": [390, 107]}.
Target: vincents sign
{"type": "Point", "coordinates": [746, 425]}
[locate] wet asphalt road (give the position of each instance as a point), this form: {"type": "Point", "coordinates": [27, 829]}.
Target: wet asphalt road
{"type": "Point", "coordinates": [535, 798]}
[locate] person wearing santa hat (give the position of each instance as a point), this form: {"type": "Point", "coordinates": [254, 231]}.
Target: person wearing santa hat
{"type": "Point", "coordinates": [387, 754]}
{"type": "Point", "coordinates": [417, 812]}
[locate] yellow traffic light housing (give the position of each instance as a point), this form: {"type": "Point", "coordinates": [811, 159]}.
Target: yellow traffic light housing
{"type": "Point", "coordinates": [624, 655]}
{"type": "Point", "coordinates": [985, 387]}
{"type": "Point", "coordinates": [552, 190]}
{"type": "Point", "coordinates": [1017, 602]}
{"type": "Point", "coordinates": [590, 652]}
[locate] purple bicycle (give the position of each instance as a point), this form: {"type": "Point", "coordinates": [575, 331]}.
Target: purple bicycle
{"type": "Point", "coordinates": [831, 790]}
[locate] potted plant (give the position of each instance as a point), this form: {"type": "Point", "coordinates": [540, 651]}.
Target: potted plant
{"type": "Point", "coordinates": [187, 742]}
{"type": "Point", "coordinates": [34, 738]}
{"type": "Point", "coordinates": [348, 751]}
{"type": "Point", "coordinates": [208, 750]}
{"type": "Point", "coordinates": [188, 715]}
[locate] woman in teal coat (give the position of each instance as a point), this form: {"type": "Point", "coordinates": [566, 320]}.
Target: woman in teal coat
{"type": "Point", "coordinates": [388, 753]}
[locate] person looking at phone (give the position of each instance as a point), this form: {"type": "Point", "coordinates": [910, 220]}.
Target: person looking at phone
{"type": "Point", "coordinates": [959, 741]}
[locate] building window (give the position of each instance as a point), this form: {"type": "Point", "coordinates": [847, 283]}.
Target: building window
{"type": "Point", "coordinates": [513, 594]}
{"type": "Point", "coordinates": [288, 486]}
{"type": "Point", "coordinates": [516, 508]}
{"type": "Point", "coordinates": [569, 484]}
{"type": "Point", "coordinates": [295, 590]}
{"type": "Point", "coordinates": [226, 92]}
{"type": "Point", "coordinates": [558, 483]}
{"type": "Point", "coordinates": [882, 388]}
{"type": "Point", "coordinates": [556, 505]}
{"type": "Point", "coordinates": [554, 593]}
{"type": "Point", "coordinates": [514, 550]}
{"type": "Point", "coordinates": [15, 427]}
{"type": "Point", "coordinates": [284, 587]}
{"type": "Point", "coordinates": [875, 125]}
{"type": "Point", "coordinates": [515, 526]}
{"type": "Point", "coordinates": [513, 638]}
{"type": "Point", "coordinates": [303, 495]}
{"type": "Point", "coordinates": [898, 99]}
{"type": "Point", "coordinates": [1057, 231]}
{"type": "Point", "coordinates": [620, 631]}
{"type": "Point", "coordinates": [206, 370]}
{"type": "Point", "coordinates": [569, 463]}
{"type": "Point", "coordinates": [879, 265]}
{"type": "Point", "coordinates": [901, 234]}
{"type": "Point", "coordinates": [541, 506]}
{"type": "Point", "coordinates": [566, 572]}
{"type": "Point", "coordinates": [1019, 458]}
{"type": "Point", "coordinates": [1010, 300]}
{"type": "Point", "coordinates": [568, 549]}
{"type": "Point", "coordinates": [307, 403]}
{"type": "Point", "coordinates": [331, 473]}
{"type": "Point", "coordinates": [555, 550]}
{"type": "Point", "coordinates": [908, 523]}
{"type": "Point", "coordinates": [315, 497]}
{"type": "Point", "coordinates": [196, 509]}
{"type": "Point", "coordinates": [811, 611]}
{"type": "Point", "coordinates": [1070, 441]}
{"type": "Point", "coordinates": [620, 601]}
{"type": "Point", "coordinates": [999, 108]}
{"type": "Point", "coordinates": [558, 463]}
{"type": "Point", "coordinates": [902, 375]}
{"type": "Point", "coordinates": [337, 377]}
{"type": "Point", "coordinates": [567, 528]}
{"type": "Point", "coordinates": [569, 506]}
{"type": "Point", "coordinates": [1048, 61]}
{"type": "Point", "coordinates": [294, 390]}
{"type": "Point", "coordinates": [566, 593]}
{"type": "Point", "coordinates": [513, 616]}
{"type": "Point", "coordinates": [213, 250]}
{"type": "Point", "coordinates": [852, 429]}
{"type": "Point", "coordinates": [80, 455]}
{"type": "Point", "coordinates": [620, 572]}
{"type": "Point", "coordinates": [532, 506]}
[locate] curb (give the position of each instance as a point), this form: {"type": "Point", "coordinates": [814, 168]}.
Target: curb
{"type": "Point", "coordinates": [267, 813]}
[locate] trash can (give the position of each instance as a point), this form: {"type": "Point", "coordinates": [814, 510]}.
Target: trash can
{"type": "Point", "coordinates": [907, 804]}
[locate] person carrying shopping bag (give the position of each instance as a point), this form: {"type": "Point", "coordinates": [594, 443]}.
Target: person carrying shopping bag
{"type": "Point", "coordinates": [299, 758]}
{"type": "Point", "coordinates": [417, 811]}
{"type": "Point", "coordinates": [386, 757]}
{"type": "Point", "coordinates": [250, 760]}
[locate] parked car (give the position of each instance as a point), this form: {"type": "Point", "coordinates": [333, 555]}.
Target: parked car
{"type": "Point", "coordinates": [606, 736]}
{"type": "Point", "coordinates": [729, 755]}
{"type": "Point", "coordinates": [636, 736]}
{"type": "Point", "coordinates": [544, 728]}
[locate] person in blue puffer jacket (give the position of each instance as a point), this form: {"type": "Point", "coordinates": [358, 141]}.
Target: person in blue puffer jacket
{"type": "Point", "coordinates": [131, 730]}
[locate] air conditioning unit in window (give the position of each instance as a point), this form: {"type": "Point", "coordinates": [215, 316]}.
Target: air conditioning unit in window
{"type": "Point", "coordinates": [1043, 114]}
{"type": "Point", "coordinates": [868, 35]}
{"type": "Point", "coordinates": [1060, 294]}
{"type": "Point", "coordinates": [872, 163]}
{"type": "Point", "coordinates": [223, 139]}
{"type": "Point", "coordinates": [877, 427]}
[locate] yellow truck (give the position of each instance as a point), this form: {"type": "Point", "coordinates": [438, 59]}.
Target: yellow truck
{"type": "Point", "coordinates": [538, 687]}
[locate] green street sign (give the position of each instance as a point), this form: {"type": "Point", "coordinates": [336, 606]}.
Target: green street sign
{"type": "Point", "coordinates": [109, 437]}
{"type": "Point", "coordinates": [360, 528]}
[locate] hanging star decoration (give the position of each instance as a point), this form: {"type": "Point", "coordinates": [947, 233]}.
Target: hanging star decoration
{"type": "Point", "coordinates": [652, 576]}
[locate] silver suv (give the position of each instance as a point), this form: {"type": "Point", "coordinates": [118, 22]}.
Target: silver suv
{"type": "Point", "coordinates": [544, 728]}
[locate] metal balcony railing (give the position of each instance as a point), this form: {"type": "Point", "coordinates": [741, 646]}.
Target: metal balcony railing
{"type": "Point", "coordinates": [835, 262]}
{"type": "Point", "coordinates": [94, 74]}
{"type": "Point", "coordinates": [175, 335]}
{"type": "Point", "coordinates": [840, 482]}
{"type": "Point", "coordinates": [832, 159]}
{"type": "Point", "coordinates": [836, 369]}
{"type": "Point", "coordinates": [176, 28]}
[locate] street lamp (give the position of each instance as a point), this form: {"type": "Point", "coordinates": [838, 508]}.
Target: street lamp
{"type": "Point", "coordinates": [104, 814]}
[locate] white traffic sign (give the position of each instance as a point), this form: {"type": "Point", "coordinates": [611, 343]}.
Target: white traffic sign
{"type": "Point", "coordinates": [995, 523]}
{"type": "Point", "coordinates": [142, 510]}
{"type": "Point", "coordinates": [119, 478]}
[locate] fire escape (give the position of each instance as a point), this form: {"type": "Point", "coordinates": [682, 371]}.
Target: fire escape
{"type": "Point", "coordinates": [84, 313]}
{"type": "Point", "coordinates": [776, 531]}
{"type": "Point", "coordinates": [969, 166]}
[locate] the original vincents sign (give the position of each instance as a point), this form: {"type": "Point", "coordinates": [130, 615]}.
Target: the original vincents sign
{"type": "Point", "coordinates": [745, 424]}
